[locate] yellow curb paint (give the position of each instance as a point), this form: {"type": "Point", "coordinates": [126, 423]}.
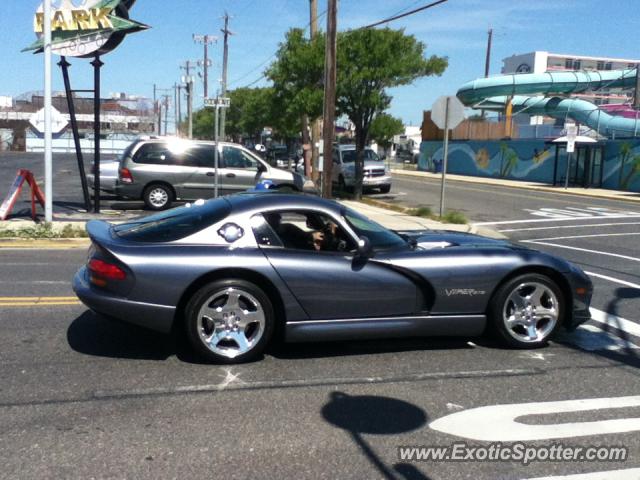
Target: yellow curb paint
{"type": "Point", "coordinates": [35, 299]}
{"type": "Point", "coordinates": [43, 304]}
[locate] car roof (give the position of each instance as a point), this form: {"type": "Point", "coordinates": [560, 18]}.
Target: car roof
{"type": "Point", "coordinates": [274, 200]}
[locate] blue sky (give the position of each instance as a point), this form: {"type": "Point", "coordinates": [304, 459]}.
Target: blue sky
{"type": "Point", "coordinates": [456, 29]}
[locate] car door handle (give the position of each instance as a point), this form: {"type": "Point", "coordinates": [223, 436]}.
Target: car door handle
{"type": "Point", "coordinates": [231, 175]}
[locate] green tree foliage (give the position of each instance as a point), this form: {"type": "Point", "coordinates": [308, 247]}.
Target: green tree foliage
{"type": "Point", "coordinates": [297, 76]}
{"type": "Point", "coordinates": [250, 111]}
{"type": "Point", "coordinates": [383, 128]}
{"type": "Point", "coordinates": [370, 61]}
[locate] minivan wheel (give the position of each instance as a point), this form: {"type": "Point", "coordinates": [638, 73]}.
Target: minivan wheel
{"type": "Point", "coordinates": [158, 196]}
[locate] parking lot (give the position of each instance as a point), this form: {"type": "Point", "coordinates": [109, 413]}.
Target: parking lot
{"type": "Point", "coordinates": [81, 396]}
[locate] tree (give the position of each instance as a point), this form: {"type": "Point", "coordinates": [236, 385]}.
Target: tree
{"type": "Point", "coordinates": [383, 128]}
{"type": "Point", "coordinates": [297, 76]}
{"type": "Point", "coordinates": [369, 62]}
{"type": "Point", "coordinates": [251, 109]}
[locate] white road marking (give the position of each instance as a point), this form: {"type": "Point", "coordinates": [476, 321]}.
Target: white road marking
{"type": "Point", "coordinates": [626, 474]}
{"type": "Point", "coordinates": [547, 220]}
{"type": "Point", "coordinates": [498, 423]}
{"type": "Point", "coordinates": [557, 227]}
{"type": "Point", "coordinates": [611, 320]}
{"type": "Point", "coordinates": [626, 257]}
{"type": "Point", "coordinates": [614, 280]}
{"type": "Point", "coordinates": [583, 236]}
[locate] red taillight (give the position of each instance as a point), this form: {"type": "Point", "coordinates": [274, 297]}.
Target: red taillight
{"type": "Point", "coordinates": [125, 175]}
{"type": "Point", "coordinates": [105, 270]}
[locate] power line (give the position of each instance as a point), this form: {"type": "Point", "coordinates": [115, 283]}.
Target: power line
{"type": "Point", "coordinates": [273, 55]}
{"type": "Point", "coordinates": [411, 12]}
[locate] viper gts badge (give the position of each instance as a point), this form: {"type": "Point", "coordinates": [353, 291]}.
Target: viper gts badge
{"type": "Point", "coordinates": [471, 292]}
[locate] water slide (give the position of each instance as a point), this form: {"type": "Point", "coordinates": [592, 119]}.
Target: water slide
{"type": "Point", "coordinates": [547, 94]}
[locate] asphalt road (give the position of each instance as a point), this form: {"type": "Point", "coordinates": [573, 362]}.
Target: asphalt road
{"type": "Point", "coordinates": [81, 396]}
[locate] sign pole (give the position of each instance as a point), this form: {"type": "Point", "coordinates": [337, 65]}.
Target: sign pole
{"type": "Point", "coordinates": [217, 152]}
{"type": "Point", "coordinates": [64, 65]}
{"type": "Point", "coordinates": [97, 64]}
{"type": "Point", "coordinates": [446, 155]}
{"type": "Point", "coordinates": [48, 137]}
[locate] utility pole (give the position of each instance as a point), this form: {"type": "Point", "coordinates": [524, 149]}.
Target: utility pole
{"type": "Point", "coordinates": [155, 109]}
{"type": "Point", "coordinates": [225, 61]}
{"type": "Point", "coordinates": [329, 111]}
{"type": "Point", "coordinates": [166, 113]}
{"type": "Point", "coordinates": [205, 40]}
{"type": "Point", "coordinates": [188, 81]}
{"type": "Point", "coordinates": [487, 62]}
{"type": "Point", "coordinates": [315, 125]}
{"type": "Point", "coordinates": [48, 132]}
{"type": "Point", "coordinates": [176, 97]}
{"type": "Point", "coordinates": [636, 93]}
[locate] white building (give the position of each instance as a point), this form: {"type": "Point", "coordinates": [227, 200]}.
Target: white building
{"type": "Point", "coordinates": [541, 62]}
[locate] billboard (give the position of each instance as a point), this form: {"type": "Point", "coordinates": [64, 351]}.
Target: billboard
{"type": "Point", "coordinates": [95, 27]}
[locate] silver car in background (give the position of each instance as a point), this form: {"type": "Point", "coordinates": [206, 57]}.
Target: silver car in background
{"type": "Point", "coordinates": [162, 170]}
{"type": "Point", "coordinates": [376, 173]}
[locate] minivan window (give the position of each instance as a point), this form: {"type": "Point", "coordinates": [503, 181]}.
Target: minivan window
{"type": "Point", "coordinates": [161, 154]}
{"type": "Point", "coordinates": [236, 158]}
{"type": "Point", "coordinates": [349, 156]}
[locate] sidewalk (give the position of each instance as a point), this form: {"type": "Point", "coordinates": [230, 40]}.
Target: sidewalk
{"type": "Point", "coordinates": [402, 221]}
{"type": "Point", "coordinates": [388, 218]}
{"type": "Point", "coordinates": [540, 187]}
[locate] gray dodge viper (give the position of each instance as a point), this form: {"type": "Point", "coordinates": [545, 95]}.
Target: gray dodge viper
{"type": "Point", "coordinates": [237, 270]}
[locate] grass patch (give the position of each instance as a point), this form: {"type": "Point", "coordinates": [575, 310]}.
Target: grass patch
{"type": "Point", "coordinates": [421, 212]}
{"type": "Point", "coordinates": [453, 216]}
{"type": "Point", "coordinates": [44, 231]}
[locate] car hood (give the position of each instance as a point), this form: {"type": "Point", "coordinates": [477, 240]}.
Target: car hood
{"type": "Point", "coordinates": [430, 239]}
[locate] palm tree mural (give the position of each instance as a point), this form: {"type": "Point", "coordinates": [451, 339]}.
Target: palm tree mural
{"type": "Point", "coordinates": [627, 156]}
{"type": "Point", "coordinates": [508, 160]}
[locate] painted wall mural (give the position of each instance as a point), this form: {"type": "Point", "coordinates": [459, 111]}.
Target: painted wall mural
{"type": "Point", "coordinates": [535, 161]}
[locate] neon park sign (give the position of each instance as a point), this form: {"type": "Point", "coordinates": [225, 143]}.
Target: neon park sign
{"type": "Point", "coordinates": [86, 28]}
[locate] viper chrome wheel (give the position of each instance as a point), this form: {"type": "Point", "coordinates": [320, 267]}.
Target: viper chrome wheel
{"type": "Point", "coordinates": [531, 312]}
{"type": "Point", "coordinates": [526, 310]}
{"type": "Point", "coordinates": [229, 321]}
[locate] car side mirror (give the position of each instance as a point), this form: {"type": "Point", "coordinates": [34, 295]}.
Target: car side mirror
{"type": "Point", "coordinates": [364, 247]}
{"type": "Point", "coordinates": [261, 168]}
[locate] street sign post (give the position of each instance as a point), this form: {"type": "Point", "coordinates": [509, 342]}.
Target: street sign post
{"type": "Point", "coordinates": [217, 103]}
{"type": "Point", "coordinates": [447, 113]}
{"type": "Point", "coordinates": [571, 134]}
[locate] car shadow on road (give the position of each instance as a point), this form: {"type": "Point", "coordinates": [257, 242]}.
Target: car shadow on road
{"type": "Point", "coordinates": [283, 350]}
{"type": "Point", "coordinates": [93, 334]}
{"type": "Point", "coordinates": [625, 350]}
{"type": "Point", "coordinates": [376, 415]}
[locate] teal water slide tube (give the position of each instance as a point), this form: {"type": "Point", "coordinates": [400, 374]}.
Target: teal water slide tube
{"type": "Point", "coordinates": [546, 94]}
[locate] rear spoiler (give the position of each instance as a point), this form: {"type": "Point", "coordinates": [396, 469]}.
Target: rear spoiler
{"type": "Point", "coordinates": [100, 232]}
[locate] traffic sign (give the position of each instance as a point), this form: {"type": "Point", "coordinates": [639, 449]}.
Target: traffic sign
{"type": "Point", "coordinates": [439, 112]}
{"type": "Point", "coordinates": [572, 133]}
{"type": "Point", "coordinates": [217, 102]}
{"type": "Point", "coordinates": [58, 121]}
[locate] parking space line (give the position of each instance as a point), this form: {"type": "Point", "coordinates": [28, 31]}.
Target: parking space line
{"type": "Point", "coordinates": [616, 322]}
{"type": "Point", "coordinates": [547, 220]}
{"type": "Point", "coordinates": [614, 280]}
{"type": "Point", "coordinates": [626, 257]}
{"type": "Point", "coordinates": [584, 236]}
{"type": "Point", "coordinates": [556, 227]}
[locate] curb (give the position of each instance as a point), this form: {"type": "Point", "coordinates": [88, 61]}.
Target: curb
{"type": "Point", "coordinates": [524, 186]}
{"type": "Point", "coordinates": [456, 227]}
{"type": "Point", "coordinates": [44, 244]}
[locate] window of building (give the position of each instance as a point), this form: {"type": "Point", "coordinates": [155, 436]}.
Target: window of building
{"type": "Point", "coordinates": [577, 64]}
{"type": "Point", "coordinates": [568, 63]}
{"type": "Point", "coordinates": [600, 65]}
{"type": "Point", "coordinates": [608, 66]}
